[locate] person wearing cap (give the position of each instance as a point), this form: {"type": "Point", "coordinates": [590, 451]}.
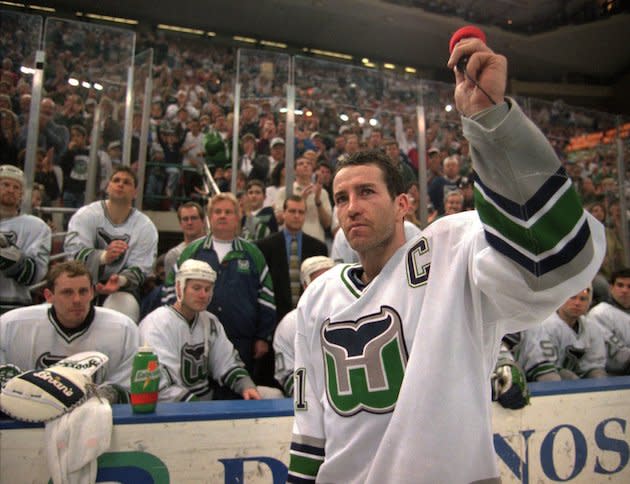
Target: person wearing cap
{"type": "Point", "coordinates": [191, 343]}
{"type": "Point", "coordinates": [117, 243]}
{"type": "Point", "coordinates": [24, 243]}
{"type": "Point", "coordinates": [283, 338]}
{"type": "Point", "coordinates": [263, 166]}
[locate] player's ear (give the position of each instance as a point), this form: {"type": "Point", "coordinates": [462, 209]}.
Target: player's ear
{"type": "Point", "coordinates": [48, 294]}
{"type": "Point", "coordinates": [402, 204]}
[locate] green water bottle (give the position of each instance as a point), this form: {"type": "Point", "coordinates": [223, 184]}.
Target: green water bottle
{"type": "Point", "coordinates": [145, 380]}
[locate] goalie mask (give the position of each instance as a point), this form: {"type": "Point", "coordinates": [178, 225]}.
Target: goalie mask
{"type": "Point", "coordinates": [192, 269]}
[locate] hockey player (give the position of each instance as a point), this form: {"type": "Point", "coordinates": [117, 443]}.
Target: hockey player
{"type": "Point", "coordinates": [566, 346]}
{"type": "Point", "coordinates": [614, 319]}
{"type": "Point", "coordinates": [191, 343]}
{"type": "Point", "coordinates": [284, 335]}
{"type": "Point", "coordinates": [24, 243]}
{"type": "Point", "coordinates": [37, 337]}
{"type": "Point", "coordinates": [117, 243]}
{"type": "Point", "coordinates": [394, 356]}
{"type": "Point", "coordinates": [243, 292]}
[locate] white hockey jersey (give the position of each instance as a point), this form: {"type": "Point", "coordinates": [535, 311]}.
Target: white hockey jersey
{"type": "Point", "coordinates": [392, 381]}
{"type": "Point", "coordinates": [283, 339]}
{"type": "Point", "coordinates": [91, 231]}
{"type": "Point", "coordinates": [615, 324]}
{"type": "Point", "coordinates": [554, 345]}
{"type": "Point", "coordinates": [190, 354]}
{"type": "Point", "coordinates": [32, 236]}
{"type": "Point", "coordinates": [32, 338]}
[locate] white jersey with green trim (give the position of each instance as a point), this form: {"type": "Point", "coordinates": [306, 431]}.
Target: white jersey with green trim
{"type": "Point", "coordinates": [32, 237]}
{"type": "Point", "coordinates": [90, 232]}
{"type": "Point", "coordinates": [615, 324]}
{"type": "Point", "coordinates": [32, 338]}
{"type": "Point", "coordinates": [191, 354]}
{"type": "Point", "coordinates": [392, 381]}
{"type": "Point", "coordinates": [554, 345]}
{"type": "Point", "coordinates": [283, 339]}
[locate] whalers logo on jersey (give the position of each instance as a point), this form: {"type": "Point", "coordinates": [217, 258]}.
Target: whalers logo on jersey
{"type": "Point", "coordinates": [193, 368]}
{"type": "Point", "coordinates": [364, 362]}
{"type": "Point", "coordinates": [46, 359]}
{"type": "Point", "coordinates": [11, 237]}
{"type": "Point", "coordinates": [105, 238]}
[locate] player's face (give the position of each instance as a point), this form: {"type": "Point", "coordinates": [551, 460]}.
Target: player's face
{"type": "Point", "coordinates": [294, 215]}
{"type": "Point", "coordinates": [10, 193]}
{"type": "Point", "coordinates": [121, 187]}
{"type": "Point", "coordinates": [197, 295]}
{"type": "Point", "coordinates": [575, 306]}
{"type": "Point", "coordinates": [255, 196]}
{"type": "Point", "coordinates": [620, 291]}
{"type": "Point", "coordinates": [191, 223]}
{"type": "Point", "coordinates": [224, 220]}
{"type": "Point", "coordinates": [71, 298]}
{"type": "Point", "coordinates": [367, 213]}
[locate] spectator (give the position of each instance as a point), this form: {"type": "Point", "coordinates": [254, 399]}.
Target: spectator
{"type": "Point", "coordinates": [614, 319]}
{"type": "Point", "coordinates": [48, 175]}
{"type": "Point", "coordinates": [246, 161]}
{"type": "Point", "coordinates": [24, 243]}
{"type": "Point", "coordinates": [117, 243]}
{"type": "Point", "coordinates": [171, 144]}
{"type": "Point", "coordinates": [191, 343]}
{"type": "Point", "coordinates": [310, 269]}
{"type": "Point", "coordinates": [318, 209]}
{"type": "Point", "coordinates": [406, 172]}
{"type": "Point", "coordinates": [285, 251]}
{"type": "Point", "coordinates": [351, 146]}
{"type": "Point", "coordinates": [440, 185]}
{"type": "Point", "coordinates": [567, 345]}
{"type": "Point", "coordinates": [243, 293]}
{"type": "Point", "coordinates": [194, 158]}
{"type": "Point", "coordinates": [9, 129]}
{"type": "Point", "coordinates": [74, 164]}
{"type": "Point", "coordinates": [276, 183]}
{"type": "Point", "coordinates": [453, 202]}
{"type": "Point", "coordinates": [51, 134]}
{"type": "Point", "coordinates": [258, 221]}
{"type": "Point", "coordinates": [192, 221]}
{"type": "Point", "coordinates": [263, 166]}
{"type": "Point", "coordinates": [614, 254]}
{"type": "Point", "coordinates": [37, 337]}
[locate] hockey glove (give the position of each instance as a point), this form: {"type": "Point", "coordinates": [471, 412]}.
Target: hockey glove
{"type": "Point", "coordinates": [10, 255]}
{"type": "Point", "coordinates": [509, 386]}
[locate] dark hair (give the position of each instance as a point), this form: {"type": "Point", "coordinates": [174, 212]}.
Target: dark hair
{"type": "Point", "coordinates": [293, 198]}
{"type": "Point", "coordinates": [256, 183]}
{"type": "Point", "coordinates": [276, 174]}
{"type": "Point", "coordinates": [73, 268]}
{"type": "Point", "coordinates": [127, 170]}
{"type": "Point", "coordinates": [194, 205]}
{"type": "Point", "coordinates": [391, 176]}
{"type": "Point", "coordinates": [79, 128]}
{"type": "Point", "coordinates": [624, 273]}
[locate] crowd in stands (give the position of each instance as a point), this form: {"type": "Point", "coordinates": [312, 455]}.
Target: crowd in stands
{"type": "Point", "coordinates": [253, 242]}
